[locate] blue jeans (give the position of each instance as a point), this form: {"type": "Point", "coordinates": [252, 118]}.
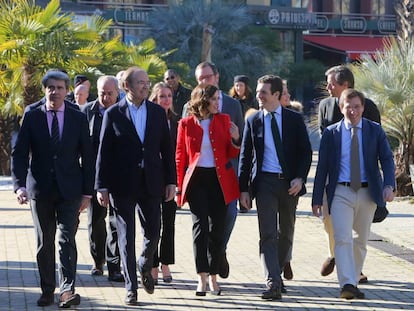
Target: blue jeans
{"type": "Point", "coordinates": [229, 222]}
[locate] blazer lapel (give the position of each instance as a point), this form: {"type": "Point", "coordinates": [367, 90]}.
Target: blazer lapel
{"type": "Point", "coordinates": [337, 136]}
{"type": "Point", "coordinates": [123, 108]}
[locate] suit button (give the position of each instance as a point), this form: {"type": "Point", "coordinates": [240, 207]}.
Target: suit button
{"type": "Point", "coordinates": [52, 170]}
{"type": "Point", "coordinates": [55, 157]}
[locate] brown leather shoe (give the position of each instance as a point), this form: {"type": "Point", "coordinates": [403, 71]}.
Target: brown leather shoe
{"type": "Point", "coordinates": [363, 279]}
{"type": "Point", "coordinates": [46, 299]}
{"type": "Point", "coordinates": [349, 291]}
{"type": "Point", "coordinates": [287, 271]}
{"type": "Point", "coordinates": [328, 266]}
{"type": "Point", "coordinates": [67, 299]}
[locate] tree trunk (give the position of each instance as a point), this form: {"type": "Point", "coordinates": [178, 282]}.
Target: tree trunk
{"type": "Point", "coordinates": [8, 126]}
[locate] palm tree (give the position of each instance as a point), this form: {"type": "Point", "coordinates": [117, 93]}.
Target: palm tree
{"type": "Point", "coordinates": [389, 80]}
{"type": "Point", "coordinates": [234, 46]}
{"type": "Point", "coordinates": [35, 39]}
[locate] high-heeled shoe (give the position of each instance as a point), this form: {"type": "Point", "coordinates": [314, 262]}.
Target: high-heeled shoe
{"type": "Point", "coordinates": [166, 274]}
{"type": "Point", "coordinates": [215, 292]}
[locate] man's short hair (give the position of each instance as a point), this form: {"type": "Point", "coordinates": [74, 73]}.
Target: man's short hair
{"type": "Point", "coordinates": [342, 74]}
{"type": "Point", "coordinates": [55, 75]}
{"type": "Point", "coordinates": [79, 79]}
{"type": "Point", "coordinates": [349, 94]}
{"type": "Point", "coordinates": [207, 64]}
{"type": "Point", "coordinates": [276, 83]}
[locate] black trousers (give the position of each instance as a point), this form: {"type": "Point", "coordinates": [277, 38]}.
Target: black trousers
{"type": "Point", "coordinates": [166, 252]}
{"type": "Point", "coordinates": [49, 214]}
{"type": "Point", "coordinates": [103, 237]}
{"type": "Point", "coordinates": [208, 210]}
{"type": "Point", "coordinates": [149, 213]}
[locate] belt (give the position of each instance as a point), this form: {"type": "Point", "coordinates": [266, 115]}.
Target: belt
{"type": "Point", "coordinates": [348, 184]}
{"type": "Point", "coordinates": [277, 175]}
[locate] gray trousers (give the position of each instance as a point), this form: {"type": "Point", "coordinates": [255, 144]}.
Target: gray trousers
{"type": "Point", "coordinates": [276, 211]}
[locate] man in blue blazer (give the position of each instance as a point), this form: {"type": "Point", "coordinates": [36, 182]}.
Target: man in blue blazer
{"type": "Point", "coordinates": [54, 172]}
{"type": "Point", "coordinates": [135, 169]}
{"type": "Point", "coordinates": [276, 183]}
{"type": "Point", "coordinates": [353, 207]}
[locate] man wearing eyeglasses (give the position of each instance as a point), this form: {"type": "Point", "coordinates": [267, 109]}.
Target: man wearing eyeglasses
{"type": "Point", "coordinates": [181, 94]}
{"type": "Point", "coordinates": [135, 170]}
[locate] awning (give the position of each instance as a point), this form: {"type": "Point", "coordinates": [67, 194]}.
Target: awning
{"type": "Point", "coordinates": [352, 46]}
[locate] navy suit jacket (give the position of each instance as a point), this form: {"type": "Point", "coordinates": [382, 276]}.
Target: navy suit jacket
{"type": "Point", "coordinates": [376, 149]}
{"type": "Point", "coordinates": [94, 117]}
{"type": "Point", "coordinates": [121, 152]}
{"type": "Point", "coordinates": [34, 165]}
{"type": "Point", "coordinates": [297, 149]}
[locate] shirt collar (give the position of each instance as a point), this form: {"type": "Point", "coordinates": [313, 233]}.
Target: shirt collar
{"type": "Point", "coordinates": [61, 108]}
{"type": "Point", "coordinates": [348, 126]}
{"type": "Point", "coordinates": [133, 106]}
{"type": "Point", "coordinates": [277, 111]}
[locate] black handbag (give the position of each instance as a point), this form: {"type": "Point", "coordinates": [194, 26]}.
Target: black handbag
{"type": "Point", "coordinates": [380, 214]}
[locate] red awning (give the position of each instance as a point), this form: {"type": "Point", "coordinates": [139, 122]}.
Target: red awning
{"type": "Point", "coordinates": [352, 46]}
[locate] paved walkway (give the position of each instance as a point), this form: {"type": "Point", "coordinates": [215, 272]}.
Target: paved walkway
{"type": "Point", "coordinates": [389, 266]}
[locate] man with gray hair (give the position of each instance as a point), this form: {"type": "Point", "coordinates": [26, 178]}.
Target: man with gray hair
{"type": "Point", "coordinates": [103, 239]}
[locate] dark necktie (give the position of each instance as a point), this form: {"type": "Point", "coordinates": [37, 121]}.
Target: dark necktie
{"type": "Point", "coordinates": [278, 144]}
{"type": "Point", "coordinates": [355, 161]}
{"type": "Point", "coordinates": [55, 131]}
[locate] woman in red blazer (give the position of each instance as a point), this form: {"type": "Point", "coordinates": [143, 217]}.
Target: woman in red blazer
{"type": "Point", "coordinates": [206, 141]}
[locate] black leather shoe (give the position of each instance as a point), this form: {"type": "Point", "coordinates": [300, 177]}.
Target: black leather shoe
{"type": "Point", "coordinates": [147, 282]}
{"type": "Point", "coordinates": [328, 266]}
{"type": "Point", "coordinates": [131, 298]}
{"type": "Point", "coordinates": [224, 269]}
{"type": "Point", "coordinates": [116, 276]}
{"type": "Point", "coordinates": [46, 299]}
{"type": "Point", "coordinates": [283, 288]}
{"type": "Point", "coordinates": [67, 299]}
{"type": "Point", "coordinates": [97, 270]}
{"type": "Point", "coordinates": [349, 291]}
{"type": "Point", "coordinates": [272, 294]}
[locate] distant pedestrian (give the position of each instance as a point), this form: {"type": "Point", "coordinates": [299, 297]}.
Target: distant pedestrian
{"type": "Point", "coordinates": [162, 94]}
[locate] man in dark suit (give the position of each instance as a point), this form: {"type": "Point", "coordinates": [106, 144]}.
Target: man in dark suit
{"type": "Point", "coordinates": [135, 170]}
{"type": "Point", "coordinates": [353, 191]}
{"type": "Point", "coordinates": [275, 159]}
{"type": "Point", "coordinates": [103, 244]}
{"type": "Point", "coordinates": [52, 166]}
{"type": "Point", "coordinates": [181, 94]}
{"type": "Point", "coordinates": [338, 78]}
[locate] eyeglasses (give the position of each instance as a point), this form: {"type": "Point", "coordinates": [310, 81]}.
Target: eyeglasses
{"type": "Point", "coordinates": [146, 83]}
{"type": "Point", "coordinates": [170, 78]}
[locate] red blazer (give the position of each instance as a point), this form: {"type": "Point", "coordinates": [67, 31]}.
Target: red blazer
{"type": "Point", "coordinates": [189, 137]}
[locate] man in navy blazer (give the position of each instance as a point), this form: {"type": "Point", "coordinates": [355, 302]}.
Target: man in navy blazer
{"type": "Point", "coordinates": [275, 187]}
{"type": "Point", "coordinates": [352, 208]}
{"type": "Point", "coordinates": [57, 177]}
{"type": "Point", "coordinates": [135, 169]}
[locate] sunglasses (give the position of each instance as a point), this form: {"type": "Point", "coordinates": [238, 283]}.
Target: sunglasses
{"type": "Point", "coordinates": [170, 78]}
